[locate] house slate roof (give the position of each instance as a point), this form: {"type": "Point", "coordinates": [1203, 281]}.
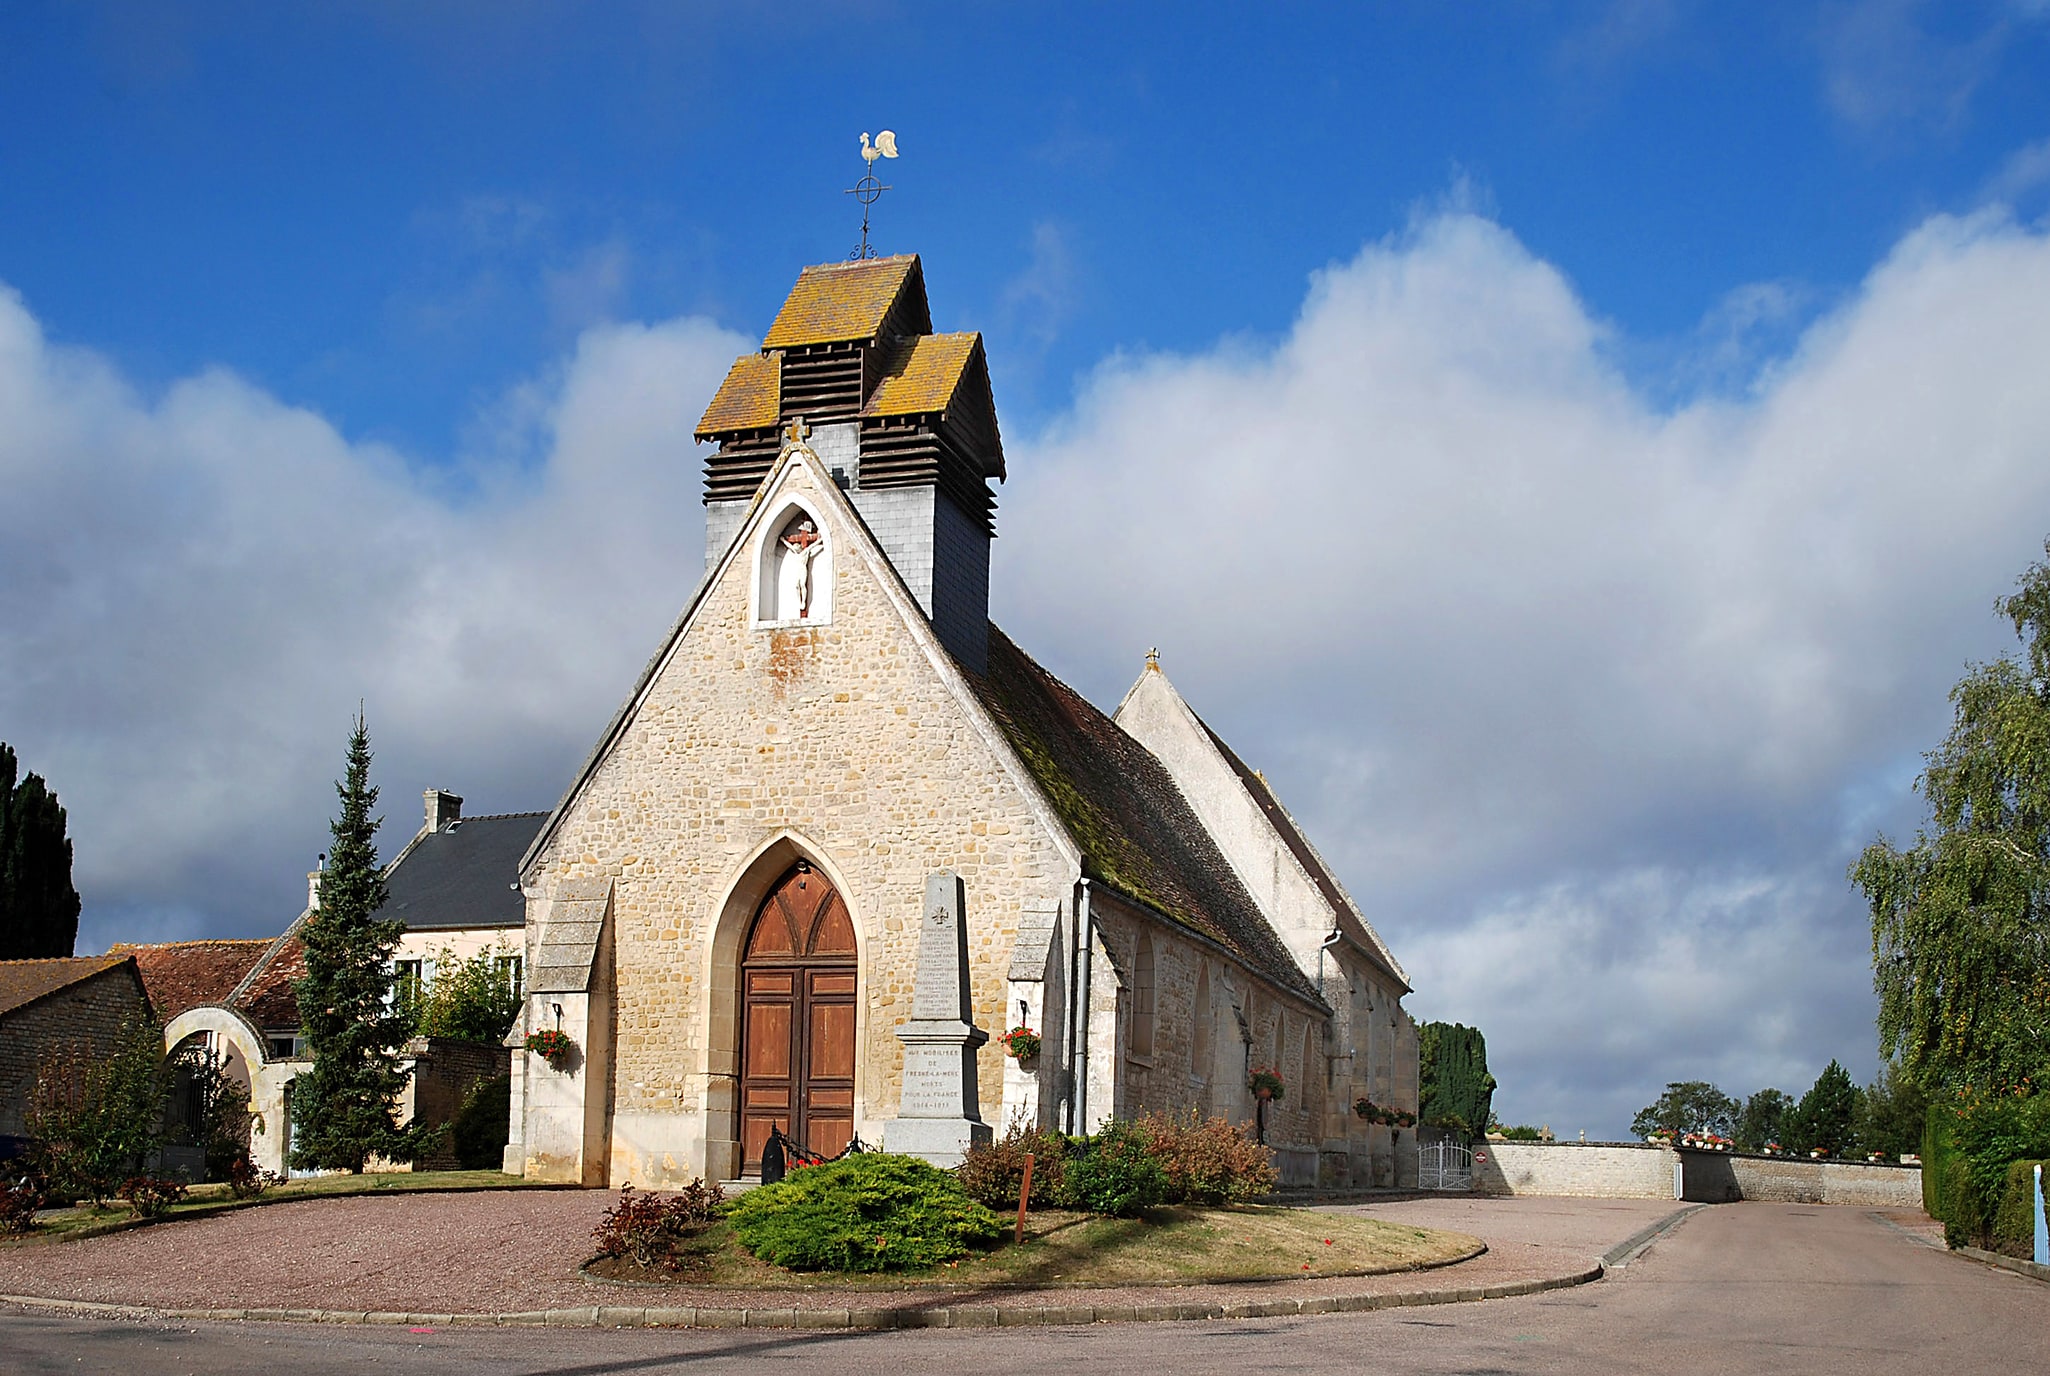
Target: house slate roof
{"type": "Point", "coordinates": [179, 976]}
{"type": "Point", "coordinates": [1137, 833]}
{"type": "Point", "coordinates": [464, 875]}
{"type": "Point", "coordinates": [837, 302]}
{"type": "Point", "coordinates": [920, 374]}
{"type": "Point", "coordinates": [750, 398]}
{"type": "Point", "coordinates": [22, 982]}
{"type": "Point", "coordinates": [1347, 917]}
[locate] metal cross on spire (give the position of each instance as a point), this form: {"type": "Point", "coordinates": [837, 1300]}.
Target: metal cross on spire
{"type": "Point", "coordinates": [868, 189]}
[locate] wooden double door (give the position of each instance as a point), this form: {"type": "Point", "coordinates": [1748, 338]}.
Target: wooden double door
{"type": "Point", "coordinates": [797, 1036]}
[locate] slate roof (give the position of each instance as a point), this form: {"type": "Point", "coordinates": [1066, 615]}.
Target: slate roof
{"type": "Point", "coordinates": [464, 875]}
{"type": "Point", "coordinates": [749, 399]}
{"type": "Point", "coordinates": [921, 374]}
{"type": "Point", "coordinates": [1136, 831]}
{"type": "Point", "coordinates": [22, 982]}
{"type": "Point", "coordinates": [835, 302]}
{"type": "Point", "coordinates": [182, 975]}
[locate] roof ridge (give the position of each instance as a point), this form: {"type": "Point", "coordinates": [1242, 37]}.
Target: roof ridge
{"type": "Point", "coordinates": [501, 816]}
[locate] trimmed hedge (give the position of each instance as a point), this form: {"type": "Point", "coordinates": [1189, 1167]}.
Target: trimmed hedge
{"type": "Point", "coordinates": [2014, 1225]}
{"type": "Point", "coordinates": [868, 1212]}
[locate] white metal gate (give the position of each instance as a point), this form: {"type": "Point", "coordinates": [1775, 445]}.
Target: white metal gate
{"type": "Point", "coordinates": [1444, 1165]}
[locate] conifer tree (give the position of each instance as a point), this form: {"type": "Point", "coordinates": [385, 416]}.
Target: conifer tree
{"type": "Point", "coordinates": [1457, 1093]}
{"type": "Point", "coordinates": [38, 904]}
{"type": "Point", "coordinates": [344, 1108]}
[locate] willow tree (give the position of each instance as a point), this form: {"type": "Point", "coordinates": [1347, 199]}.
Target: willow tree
{"type": "Point", "coordinates": [1961, 919]}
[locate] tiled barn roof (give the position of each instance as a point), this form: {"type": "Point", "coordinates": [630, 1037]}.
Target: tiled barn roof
{"type": "Point", "coordinates": [22, 982]}
{"type": "Point", "coordinates": [183, 975]}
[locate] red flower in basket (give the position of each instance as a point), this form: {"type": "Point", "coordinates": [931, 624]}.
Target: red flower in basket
{"type": "Point", "coordinates": [1020, 1043]}
{"type": "Point", "coordinates": [554, 1046]}
{"type": "Point", "coordinates": [1266, 1083]}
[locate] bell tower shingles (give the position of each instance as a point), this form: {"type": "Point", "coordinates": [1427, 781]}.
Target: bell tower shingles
{"type": "Point", "coordinates": [904, 417]}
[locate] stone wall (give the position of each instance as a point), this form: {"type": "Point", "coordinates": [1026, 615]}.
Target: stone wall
{"type": "Point", "coordinates": [1595, 1170]}
{"type": "Point", "coordinates": [1719, 1177]}
{"type": "Point", "coordinates": [88, 1015]}
{"type": "Point", "coordinates": [444, 1071]}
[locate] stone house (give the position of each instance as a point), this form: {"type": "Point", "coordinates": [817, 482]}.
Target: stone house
{"type": "Point", "coordinates": [54, 1006]}
{"type": "Point", "coordinates": [730, 910]}
{"type": "Point", "coordinates": [453, 886]}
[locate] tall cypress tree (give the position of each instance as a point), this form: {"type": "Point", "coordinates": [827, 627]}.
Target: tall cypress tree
{"type": "Point", "coordinates": [1457, 1094]}
{"type": "Point", "coordinates": [38, 904]}
{"type": "Point", "coordinates": [345, 1107]}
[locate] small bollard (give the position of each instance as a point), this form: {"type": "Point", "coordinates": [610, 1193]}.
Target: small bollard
{"type": "Point", "coordinates": [2042, 1226]}
{"type": "Point", "coordinates": [1025, 1198]}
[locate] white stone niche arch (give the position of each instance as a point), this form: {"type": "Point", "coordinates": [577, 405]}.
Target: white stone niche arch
{"type": "Point", "coordinates": [793, 566]}
{"type": "Point", "coordinates": [720, 976]}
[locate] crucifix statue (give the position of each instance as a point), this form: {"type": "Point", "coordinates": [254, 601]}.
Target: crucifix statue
{"type": "Point", "coordinates": [801, 544]}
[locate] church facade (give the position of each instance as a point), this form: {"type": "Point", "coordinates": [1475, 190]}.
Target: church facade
{"type": "Point", "coordinates": [731, 912]}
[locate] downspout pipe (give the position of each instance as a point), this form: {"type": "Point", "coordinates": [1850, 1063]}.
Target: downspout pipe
{"type": "Point", "coordinates": [1085, 960]}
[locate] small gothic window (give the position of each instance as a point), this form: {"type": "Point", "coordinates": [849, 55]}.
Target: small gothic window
{"type": "Point", "coordinates": [797, 572]}
{"type": "Point", "coordinates": [1200, 1060]}
{"type": "Point", "coordinates": [1142, 998]}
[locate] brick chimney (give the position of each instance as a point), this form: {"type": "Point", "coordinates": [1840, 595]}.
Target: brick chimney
{"type": "Point", "coordinates": [443, 807]}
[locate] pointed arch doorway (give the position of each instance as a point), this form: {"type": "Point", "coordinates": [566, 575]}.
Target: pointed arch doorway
{"type": "Point", "coordinates": [797, 977]}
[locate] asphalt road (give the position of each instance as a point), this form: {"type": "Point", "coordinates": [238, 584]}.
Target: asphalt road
{"type": "Point", "coordinates": [1738, 1288]}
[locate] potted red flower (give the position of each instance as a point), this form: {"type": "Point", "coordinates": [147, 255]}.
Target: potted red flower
{"type": "Point", "coordinates": [1021, 1043]}
{"type": "Point", "coordinates": [1266, 1083]}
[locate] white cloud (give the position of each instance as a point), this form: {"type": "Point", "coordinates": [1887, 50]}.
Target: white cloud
{"type": "Point", "coordinates": [1589, 697]}
{"type": "Point", "coordinates": [1508, 633]}
{"type": "Point", "coordinates": [197, 590]}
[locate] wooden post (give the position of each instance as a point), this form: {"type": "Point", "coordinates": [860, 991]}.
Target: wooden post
{"type": "Point", "coordinates": [1024, 1198]}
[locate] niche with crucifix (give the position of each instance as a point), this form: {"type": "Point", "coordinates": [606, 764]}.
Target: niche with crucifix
{"type": "Point", "coordinates": [795, 564]}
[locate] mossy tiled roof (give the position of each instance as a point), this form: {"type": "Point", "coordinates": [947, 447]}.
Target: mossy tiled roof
{"type": "Point", "coordinates": [922, 373]}
{"type": "Point", "coordinates": [22, 982]}
{"type": "Point", "coordinates": [182, 975]}
{"type": "Point", "coordinates": [1137, 833]}
{"type": "Point", "coordinates": [834, 302]}
{"type": "Point", "coordinates": [748, 399]}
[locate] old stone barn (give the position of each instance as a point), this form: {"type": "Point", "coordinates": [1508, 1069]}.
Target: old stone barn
{"type": "Point", "coordinates": [843, 825]}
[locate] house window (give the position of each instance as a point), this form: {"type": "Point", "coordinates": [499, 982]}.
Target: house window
{"type": "Point", "coordinates": [508, 968]}
{"type": "Point", "coordinates": [407, 977]}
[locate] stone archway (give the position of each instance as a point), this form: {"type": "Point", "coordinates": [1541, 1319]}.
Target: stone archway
{"type": "Point", "coordinates": [798, 972]}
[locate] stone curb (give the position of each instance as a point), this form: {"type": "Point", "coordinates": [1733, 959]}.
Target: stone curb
{"type": "Point", "coordinates": [965, 1316]}
{"type": "Point", "coordinates": [2014, 1264]}
{"type": "Point", "coordinates": [1623, 1253]}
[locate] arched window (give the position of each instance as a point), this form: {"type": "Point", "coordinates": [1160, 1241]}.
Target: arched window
{"type": "Point", "coordinates": [795, 561]}
{"type": "Point", "coordinates": [1142, 998]}
{"type": "Point", "coordinates": [1199, 1060]}
{"type": "Point", "coordinates": [1312, 1079]}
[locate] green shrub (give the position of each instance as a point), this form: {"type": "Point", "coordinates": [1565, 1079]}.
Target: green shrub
{"type": "Point", "coordinates": [1987, 1131]}
{"type": "Point", "coordinates": [992, 1174]}
{"type": "Point", "coordinates": [93, 1118]}
{"type": "Point", "coordinates": [1115, 1173]}
{"type": "Point", "coordinates": [1206, 1162]}
{"type": "Point", "coordinates": [2014, 1223]}
{"type": "Point", "coordinates": [867, 1212]}
{"type": "Point", "coordinates": [147, 1196]}
{"type": "Point", "coordinates": [481, 1126]}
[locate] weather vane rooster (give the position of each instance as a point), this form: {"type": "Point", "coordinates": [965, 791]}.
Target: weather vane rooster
{"type": "Point", "coordinates": [868, 188]}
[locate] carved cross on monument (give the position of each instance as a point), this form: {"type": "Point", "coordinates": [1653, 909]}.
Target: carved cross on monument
{"type": "Point", "coordinates": [940, 1113]}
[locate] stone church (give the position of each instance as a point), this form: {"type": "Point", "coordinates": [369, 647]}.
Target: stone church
{"type": "Point", "coordinates": [843, 833]}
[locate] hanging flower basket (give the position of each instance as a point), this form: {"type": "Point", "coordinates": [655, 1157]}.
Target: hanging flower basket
{"type": "Point", "coordinates": [554, 1046]}
{"type": "Point", "coordinates": [1021, 1044]}
{"type": "Point", "coordinates": [1266, 1083]}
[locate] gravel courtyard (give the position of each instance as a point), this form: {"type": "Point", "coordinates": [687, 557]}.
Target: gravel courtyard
{"type": "Point", "coordinates": [497, 1251]}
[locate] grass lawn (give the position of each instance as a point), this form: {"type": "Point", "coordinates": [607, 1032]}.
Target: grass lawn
{"type": "Point", "coordinates": [1169, 1246]}
{"type": "Point", "coordinates": [59, 1225]}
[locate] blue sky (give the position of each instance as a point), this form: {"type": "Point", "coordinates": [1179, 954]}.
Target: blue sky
{"type": "Point", "coordinates": [1600, 430]}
